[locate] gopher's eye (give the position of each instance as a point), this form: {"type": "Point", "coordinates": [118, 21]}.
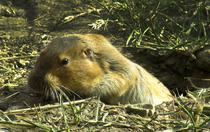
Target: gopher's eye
{"type": "Point", "coordinates": [65, 61]}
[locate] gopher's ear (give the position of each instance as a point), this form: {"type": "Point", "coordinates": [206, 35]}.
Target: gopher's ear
{"type": "Point", "coordinates": [88, 53]}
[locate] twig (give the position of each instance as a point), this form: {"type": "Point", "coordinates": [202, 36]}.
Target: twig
{"type": "Point", "coordinates": [115, 124]}
{"type": "Point", "coordinates": [71, 17]}
{"type": "Point", "coordinates": [104, 117]}
{"type": "Point", "coordinates": [19, 124]}
{"type": "Point", "coordinates": [22, 111]}
{"type": "Point", "coordinates": [97, 109]}
{"type": "Point", "coordinates": [17, 57]}
{"type": "Point", "coordinates": [44, 127]}
{"type": "Point", "coordinates": [185, 110]}
{"type": "Point", "coordinates": [10, 96]}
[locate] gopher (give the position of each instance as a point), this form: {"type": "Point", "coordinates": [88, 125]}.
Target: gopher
{"type": "Point", "coordinates": [88, 65]}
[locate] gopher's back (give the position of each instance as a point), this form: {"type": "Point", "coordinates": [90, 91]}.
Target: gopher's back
{"type": "Point", "coordinates": [146, 89]}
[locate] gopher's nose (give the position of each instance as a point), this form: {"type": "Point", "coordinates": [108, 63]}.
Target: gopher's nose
{"type": "Point", "coordinates": [51, 79]}
{"type": "Point", "coordinates": [51, 87]}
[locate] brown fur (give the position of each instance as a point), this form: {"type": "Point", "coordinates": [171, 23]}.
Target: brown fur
{"type": "Point", "coordinates": [95, 68]}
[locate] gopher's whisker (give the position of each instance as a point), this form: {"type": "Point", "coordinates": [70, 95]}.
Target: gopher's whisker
{"type": "Point", "coordinates": [70, 91]}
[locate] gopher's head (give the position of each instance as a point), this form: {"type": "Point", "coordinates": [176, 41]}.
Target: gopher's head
{"type": "Point", "coordinates": [76, 64]}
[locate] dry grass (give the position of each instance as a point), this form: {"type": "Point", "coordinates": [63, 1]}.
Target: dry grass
{"type": "Point", "coordinates": [17, 57]}
{"type": "Point", "coordinates": [92, 115]}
